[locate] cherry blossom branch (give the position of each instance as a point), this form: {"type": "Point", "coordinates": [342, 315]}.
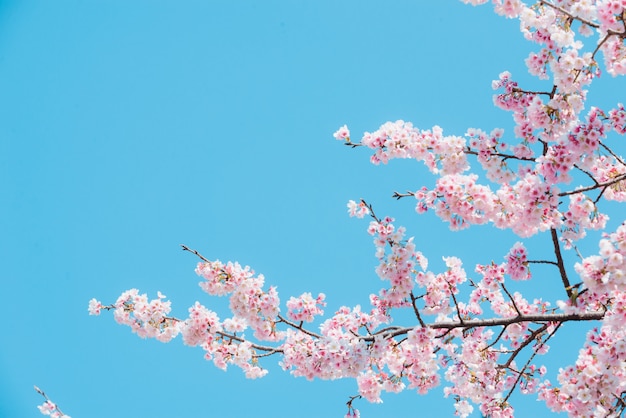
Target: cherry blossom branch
{"type": "Point", "coordinates": [49, 407]}
{"type": "Point", "coordinates": [520, 373]}
{"type": "Point", "coordinates": [620, 404]}
{"type": "Point", "coordinates": [543, 262]}
{"type": "Point", "coordinates": [547, 93]}
{"type": "Point", "coordinates": [227, 335]}
{"type": "Point", "coordinates": [456, 304]}
{"type": "Point", "coordinates": [353, 144]}
{"type": "Point", "coordinates": [587, 173]}
{"type": "Point", "coordinates": [609, 34]}
{"type": "Point", "coordinates": [352, 411]}
{"type": "Point", "coordinates": [298, 327]}
{"type": "Point", "coordinates": [510, 297]}
{"type": "Point", "coordinates": [398, 195]}
{"type": "Point", "coordinates": [270, 350]}
{"type": "Point", "coordinates": [559, 261]}
{"type": "Point", "coordinates": [610, 151]}
{"type": "Point", "coordinates": [495, 341]}
{"type": "Point", "coordinates": [417, 312]}
{"type": "Point", "coordinates": [269, 353]}
{"type": "Point", "coordinates": [533, 335]}
{"type": "Point", "coordinates": [469, 151]}
{"type": "Point", "coordinates": [597, 186]}
{"type": "Point", "coordinates": [185, 248]}
{"type": "Point", "coordinates": [493, 322]}
{"type": "Point", "coordinates": [565, 12]}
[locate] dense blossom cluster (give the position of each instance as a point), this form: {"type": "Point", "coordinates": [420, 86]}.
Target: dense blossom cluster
{"type": "Point", "coordinates": [305, 308]}
{"type": "Point", "coordinates": [484, 340]}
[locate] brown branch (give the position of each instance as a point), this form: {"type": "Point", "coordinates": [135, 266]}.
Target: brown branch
{"type": "Point", "coordinates": [401, 195]}
{"type": "Point", "coordinates": [499, 154]}
{"type": "Point", "coordinates": [533, 335]}
{"type": "Point", "coordinates": [185, 248]}
{"type": "Point", "coordinates": [518, 90]}
{"type": "Point", "coordinates": [542, 262]}
{"type": "Point", "coordinates": [298, 327]}
{"type": "Point", "coordinates": [417, 312]}
{"type": "Point", "coordinates": [560, 263]}
{"type": "Point", "coordinates": [456, 304]}
{"type": "Point", "coordinates": [42, 393]}
{"type": "Point", "coordinates": [560, 9]}
{"type": "Point", "coordinates": [269, 353]}
{"type": "Point", "coordinates": [519, 376]}
{"type": "Point", "coordinates": [497, 338]}
{"type": "Point", "coordinates": [510, 297]}
{"type": "Point", "coordinates": [610, 151]}
{"type": "Point", "coordinates": [597, 186]}
{"type": "Point", "coordinates": [586, 173]}
{"type": "Point", "coordinates": [270, 350]}
{"type": "Point", "coordinates": [371, 209]}
{"type": "Point", "coordinates": [493, 322]}
{"type": "Point", "coordinates": [353, 144]}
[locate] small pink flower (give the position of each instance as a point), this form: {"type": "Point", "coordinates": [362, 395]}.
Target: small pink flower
{"type": "Point", "coordinates": [94, 307]}
{"type": "Point", "coordinates": [343, 134]}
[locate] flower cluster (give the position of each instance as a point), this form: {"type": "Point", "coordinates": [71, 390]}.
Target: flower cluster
{"type": "Point", "coordinates": [605, 274]}
{"type": "Point", "coordinates": [248, 301]}
{"type": "Point", "coordinates": [398, 261]}
{"type": "Point", "coordinates": [592, 385]}
{"type": "Point", "coordinates": [49, 408]}
{"type": "Point", "coordinates": [305, 308]}
{"type": "Point", "coordinates": [517, 263]}
{"type": "Point", "coordinates": [148, 319]}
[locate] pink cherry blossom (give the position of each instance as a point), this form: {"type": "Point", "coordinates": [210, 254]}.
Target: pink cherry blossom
{"type": "Point", "coordinates": [472, 331]}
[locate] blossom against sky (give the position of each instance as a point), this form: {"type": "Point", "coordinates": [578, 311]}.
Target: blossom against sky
{"type": "Point", "coordinates": [129, 128]}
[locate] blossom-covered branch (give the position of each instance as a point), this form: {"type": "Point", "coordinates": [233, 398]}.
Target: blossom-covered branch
{"type": "Point", "coordinates": [550, 176]}
{"type": "Point", "coordinates": [48, 407]}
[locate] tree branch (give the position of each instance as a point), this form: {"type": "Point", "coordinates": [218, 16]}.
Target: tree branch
{"type": "Point", "coordinates": [185, 248]}
{"type": "Point", "coordinates": [42, 393]}
{"type": "Point", "coordinates": [565, 12]}
{"type": "Point", "coordinates": [492, 322]}
{"type": "Point", "coordinates": [559, 260]}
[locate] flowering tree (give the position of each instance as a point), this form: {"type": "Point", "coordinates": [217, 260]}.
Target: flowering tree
{"type": "Point", "coordinates": [483, 338]}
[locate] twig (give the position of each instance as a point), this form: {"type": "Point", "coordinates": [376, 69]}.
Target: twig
{"type": "Point", "coordinates": [42, 393]}
{"type": "Point", "coordinates": [298, 327]}
{"type": "Point", "coordinates": [519, 376]}
{"type": "Point", "coordinates": [533, 335]}
{"type": "Point", "coordinates": [185, 248]}
{"type": "Point", "coordinates": [510, 297]}
{"type": "Point", "coordinates": [542, 262]}
{"type": "Point", "coordinates": [399, 196]}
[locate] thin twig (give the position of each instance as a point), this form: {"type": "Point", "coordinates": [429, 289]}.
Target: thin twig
{"type": "Point", "coordinates": [298, 327]}
{"type": "Point", "coordinates": [519, 376]}
{"type": "Point", "coordinates": [533, 335]}
{"type": "Point", "coordinates": [42, 393]}
{"type": "Point", "coordinates": [510, 297]}
{"type": "Point", "coordinates": [185, 248]}
{"type": "Point", "coordinates": [554, 263]}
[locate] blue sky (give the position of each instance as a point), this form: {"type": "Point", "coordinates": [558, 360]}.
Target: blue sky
{"type": "Point", "coordinates": [130, 127]}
